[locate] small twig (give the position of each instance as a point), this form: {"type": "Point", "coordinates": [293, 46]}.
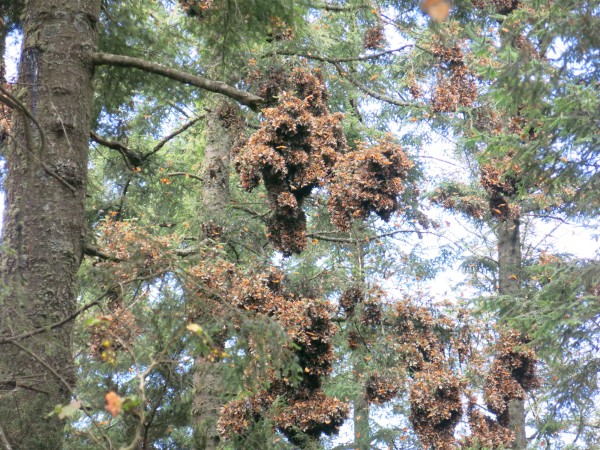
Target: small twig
{"type": "Point", "coordinates": [376, 95]}
{"type": "Point", "coordinates": [251, 211]}
{"type": "Point", "coordinates": [172, 135]}
{"type": "Point", "coordinates": [367, 239]}
{"type": "Point", "coordinates": [338, 8]}
{"type": "Point", "coordinates": [10, 100]}
{"type": "Point", "coordinates": [13, 102]}
{"type": "Point", "coordinates": [341, 60]}
{"type": "Point", "coordinates": [45, 364]}
{"type": "Point", "coordinates": [19, 337]}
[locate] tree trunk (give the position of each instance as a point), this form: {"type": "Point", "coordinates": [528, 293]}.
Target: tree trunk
{"type": "Point", "coordinates": [509, 265]}
{"type": "Point", "coordinates": [362, 428]}
{"type": "Point", "coordinates": [44, 216]}
{"type": "Point", "coordinates": [208, 385]}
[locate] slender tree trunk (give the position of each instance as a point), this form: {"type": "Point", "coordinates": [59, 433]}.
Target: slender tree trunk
{"type": "Point", "coordinates": [44, 216]}
{"type": "Point", "coordinates": [362, 428]}
{"type": "Point", "coordinates": [509, 264]}
{"type": "Point", "coordinates": [208, 385]}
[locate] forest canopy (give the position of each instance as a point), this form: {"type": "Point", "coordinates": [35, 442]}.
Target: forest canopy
{"type": "Point", "coordinates": [269, 224]}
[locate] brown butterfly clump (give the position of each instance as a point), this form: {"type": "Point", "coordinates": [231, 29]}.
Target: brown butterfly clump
{"type": "Point", "coordinates": [504, 7]}
{"type": "Point", "coordinates": [485, 431]}
{"type": "Point", "coordinates": [487, 119]}
{"type": "Point", "coordinates": [292, 153]}
{"type": "Point", "coordinates": [522, 127]}
{"type": "Point", "coordinates": [195, 8]}
{"type": "Point", "coordinates": [368, 179]}
{"type": "Point", "coordinates": [374, 38]}
{"type": "Point", "coordinates": [435, 407]}
{"type": "Point", "coordinates": [459, 88]}
{"type": "Point", "coordinates": [309, 327]}
{"type": "Point", "coordinates": [512, 375]}
{"type": "Point", "coordinates": [135, 252]}
{"type": "Point", "coordinates": [417, 341]}
{"type": "Point", "coordinates": [350, 298]}
{"type": "Point", "coordinates": [413, 87]}
{"type": "Point", "coordinates": [354, 340]}
{"type": "Point", "coordinates": [380, 389]}
{"type": "Point", "coordinates": [314, 414]}
{"type": "Point", "coordinates": [435, 392]}
{"type": "Point", "coordinates": [110, 332]}
{"type": "Point", "coordinates": [455, 197]}
{"type": "Point", "coordinates": [238, 416]}
{"type": "Point", "coordinates": [501, 184]}
{"type": "Point", "coordinates": [280, 31]}
{"type": "Point", "coordinates": [372, 313]}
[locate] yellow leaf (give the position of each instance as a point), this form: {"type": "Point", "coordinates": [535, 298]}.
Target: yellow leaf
{"type": "Point", "coordinates": [194, 328]}
{"type": "Point", "coordinates": [113, 403]}
{"type": "Point", "coordinates": [438, 10]}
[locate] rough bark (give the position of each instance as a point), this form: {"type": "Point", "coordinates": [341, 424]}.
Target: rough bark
{"type": "Point", "coordinates": [44, 216]}
{"type": "Point", "coordinates": [208, 386]}
{"type": "Point", "coordinates": [509, 264]}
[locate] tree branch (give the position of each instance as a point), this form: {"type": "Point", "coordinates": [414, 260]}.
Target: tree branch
{"type": "Point", "coordinates": [369, 91]}
{"type": "Point", "coordinates": [89, 250]}
{"type": "Point", "coordinates": [4, 440]}
{"type": "Point", "coordinates": [130, 156]}
{"type": "Point", "coordinates": [19, 337]}
{"type": "Point", "coordinates": [172, 135]}
{"type": "Point", "coordinates": [367, 239]}
{"type": "Point", "coordinates": [341, 60]}
{"type": "Point", "coordinates": [184, 174]}
{"type": "Point", "coordinates": [11, 101]}
{"type": "Point", "coordinates": [338, 8]}
{"type": "Point", "coordinates": [218, 87]}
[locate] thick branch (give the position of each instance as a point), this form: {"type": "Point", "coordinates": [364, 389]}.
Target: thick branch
{"type": "Point", "coordinates": [219, 87]}
{"type": "Point", "coordinates": [90, 250]}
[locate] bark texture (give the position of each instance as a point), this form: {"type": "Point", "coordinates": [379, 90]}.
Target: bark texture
{"type": "Point", "coordinates": [44, 216]}
{"type": "Point", "coordinates": [208, 384]}
{"type": "Point", "coordinates": [509, 265]}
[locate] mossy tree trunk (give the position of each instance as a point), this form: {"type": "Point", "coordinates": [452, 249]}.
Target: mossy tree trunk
{"type": "Point", "coordinates": [47, 159]}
